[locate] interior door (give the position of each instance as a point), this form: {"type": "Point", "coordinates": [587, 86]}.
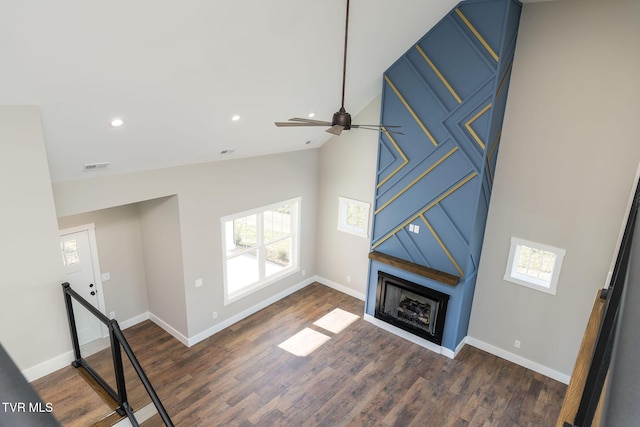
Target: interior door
{"type": "Point", "coordinates": [78, 264]}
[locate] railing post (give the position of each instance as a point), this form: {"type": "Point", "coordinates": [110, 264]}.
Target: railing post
{"type": "Point", "coordinates": [118, 343]}
{"type": "Point", "coordinates": [72, 324]}
{"type": "Point", "coordinates": [141, 374]}
{"type": "Point", "coordinates": [117, 366]}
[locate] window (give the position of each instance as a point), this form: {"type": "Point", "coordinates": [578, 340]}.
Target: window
{"type": "Point", "coordinates": [260, 247]}
{"type": "Point", "coordinates": [70, 252]}
{"type": "Point", "coordinates": [353, 217]}
{"type": "Point", "coordinates": [534, 265]}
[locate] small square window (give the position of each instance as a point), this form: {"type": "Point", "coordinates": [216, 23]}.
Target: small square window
{"type": "Point", "coordinates": [353, 217]}
{"type": "Point", "coordinates": [534, 265]}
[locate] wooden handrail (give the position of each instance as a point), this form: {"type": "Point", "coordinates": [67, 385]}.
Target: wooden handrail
{"type": "Point", "coordinates": [581, 368]}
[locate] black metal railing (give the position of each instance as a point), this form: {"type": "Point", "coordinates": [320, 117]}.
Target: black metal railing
{"type": "Point", "coordinates": [605, 342]}
{"type": "Point", "coordinates": [118, 342]}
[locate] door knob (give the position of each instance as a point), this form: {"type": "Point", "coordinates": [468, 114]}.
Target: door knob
{"type": "Point", "coordinates": [93, 293]}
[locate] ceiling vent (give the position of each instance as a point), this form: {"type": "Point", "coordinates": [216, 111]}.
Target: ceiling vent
{"type": "Point", "coordinates": [96, 166]}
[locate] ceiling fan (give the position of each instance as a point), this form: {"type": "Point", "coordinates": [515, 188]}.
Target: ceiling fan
{"type": "Point", "coordinates": [341, 119]}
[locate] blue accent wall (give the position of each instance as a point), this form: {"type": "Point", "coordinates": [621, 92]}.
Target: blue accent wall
{"type": "Point", "coordinates": [449, 94]}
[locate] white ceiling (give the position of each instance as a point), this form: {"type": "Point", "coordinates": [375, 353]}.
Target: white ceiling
{"type": "Point", "coordinates": [179, 70]}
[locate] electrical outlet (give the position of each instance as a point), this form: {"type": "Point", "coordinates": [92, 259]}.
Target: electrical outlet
{"type": "Point", "coordinates": [215, 315]}
{"type": "Point", "coordinates": [112, 315]}
{"type": "Point", "coordinates": [516, 344]}
{"type": "Point", "coordinates": [304, 272]}
{"type": "Point", "coordinates": [348, 279]}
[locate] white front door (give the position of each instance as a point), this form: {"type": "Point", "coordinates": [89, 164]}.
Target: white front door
{"type": "Point", "coordinates": [78, 264]}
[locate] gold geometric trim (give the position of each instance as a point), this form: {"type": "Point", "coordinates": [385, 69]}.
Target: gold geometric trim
{"type": "Point", "coordinates": [413, 114]}
{"type": "Point", "coordinates": [439, 74]}
{"type": "Point", "coordinates": [473, 119]}
{"type": "Point", "coordinates": [412, 183]}
{"type": "Point", "coordinates": [490, 155]}
{"type": "Point", "coordinates": [429, 206]}
{"type": "Point", "coordinates": [477, 34]}
{"type": "Point", "coordinates": [404, 157]}
{"type": "Point", "coordinates": [504, 78]}
{"type": "Point", "coordinates": [444, 248]}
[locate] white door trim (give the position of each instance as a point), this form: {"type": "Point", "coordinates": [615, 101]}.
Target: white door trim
{"type": "Point", "coordinates": [97, 276]}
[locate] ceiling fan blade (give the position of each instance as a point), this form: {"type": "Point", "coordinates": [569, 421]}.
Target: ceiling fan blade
{"type": "Point", "coordinates": [291, 124]}
{"type": "Point", "coordinates": [318, 122]}
{"type": "Point", "coordinates": [377, 126]}
{"type": "Point", "coordinates": [336, 130]}
{"type": "Point", "coordinates": [377, 129]}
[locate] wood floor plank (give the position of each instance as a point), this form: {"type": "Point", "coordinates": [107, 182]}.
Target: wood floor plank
{"type": "Point", "coordinates": [362, 376]}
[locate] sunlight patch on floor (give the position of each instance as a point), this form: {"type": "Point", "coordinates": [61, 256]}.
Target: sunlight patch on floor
{"type": "Point", "coordinates": [336, 321]}
{"type": "Point", "coordinates": [307, 340]}
{"type": "Point", "coordinates": [304, 342]}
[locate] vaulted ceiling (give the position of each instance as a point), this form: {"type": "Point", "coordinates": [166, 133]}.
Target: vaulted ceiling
{"type": "Point", "coordinates": [177, 71]}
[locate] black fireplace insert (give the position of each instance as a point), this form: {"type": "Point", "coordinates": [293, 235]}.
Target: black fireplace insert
{"type": "Point", "coordinates": [412, 307]}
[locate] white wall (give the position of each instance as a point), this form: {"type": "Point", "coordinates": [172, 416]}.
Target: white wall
{"type": "Point", "coordinates": [569, 151]}
{"type": "Point", "coordinates": [347, 169]}
{"type": "Point", "coordinates": [33, 323]}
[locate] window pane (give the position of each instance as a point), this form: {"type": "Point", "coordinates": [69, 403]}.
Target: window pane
{"type": "Point", "coordinates": [259, 246]}
{"type": "Point", "coordinates": [242, 271]}
{"type": "Point", "coordinates": [245, 234]}
{"type": "Point", "coordinates": [70, 252]}
{"type": "Point", "coordinates": [356, 215]}
{"type": "Point", "coordinates": [278, 256]}
{"type": "Point", "coordinates": [535, 263]}
{"type": "Point", "coordinates": [277, 223]}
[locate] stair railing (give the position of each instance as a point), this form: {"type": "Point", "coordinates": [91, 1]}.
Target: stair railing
{"type": "Point", "coordinates": [118, 342]}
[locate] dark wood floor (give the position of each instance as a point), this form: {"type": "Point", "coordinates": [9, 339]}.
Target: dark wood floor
{"type": "Point", "coordinates": [363, 376]}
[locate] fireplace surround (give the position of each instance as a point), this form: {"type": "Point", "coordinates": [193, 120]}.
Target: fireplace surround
{"type": "Point", "coordinates": [412, 307]}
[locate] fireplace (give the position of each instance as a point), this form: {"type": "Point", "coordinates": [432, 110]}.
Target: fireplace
{"type": "Point", "coordinates": [412, 307]}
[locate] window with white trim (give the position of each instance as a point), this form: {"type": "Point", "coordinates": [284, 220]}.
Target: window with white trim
{"type": "Point", "coordinates": [260, 246]}
{"type": "Point", "coordinates": [353, 216]}
{"type": "Point", "coordinates": [534, 265]}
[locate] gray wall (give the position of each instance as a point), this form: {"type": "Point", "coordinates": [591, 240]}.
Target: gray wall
{"type": "Point", "coordinates": [570, 148]}
{"type": "Point", "coordinates": [163, 261]}
{"type": "Point", "coordinates": [32, 317]}
{"type": "Point", "coordinates": [205, 193]}
{"type": "Point", "coordinates": [120, 250]}
{"type": "Point", "coordinates": [347, 169]}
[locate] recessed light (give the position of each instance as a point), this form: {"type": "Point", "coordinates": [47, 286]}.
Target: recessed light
{"type": "Point", "coordinates": [117, 122]}
{"type": "Point", "coordinates": [235, 118]}
{"type": "Point", "coordinates": [228, 151]}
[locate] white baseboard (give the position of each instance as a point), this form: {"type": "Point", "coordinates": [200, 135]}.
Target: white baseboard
{"type": "Point", "coordinates": [496, 351]}
{"type": "Point", "coordinates": [246, 313]}
{"type": "Point", "coordinates": [48, 366]}
{"type": "Point", "coordinates": [410, 337]}
{"type": "Point", "coordinates": [63, 360]}
{"type": "Point", "coordinates": [169, 329]}
{"type": "Point", "coordinates": [519, 360]}
{"type": "Point", "coordinates": [134, 320]}
{"type": "Point", "coordinates": [338, 287]}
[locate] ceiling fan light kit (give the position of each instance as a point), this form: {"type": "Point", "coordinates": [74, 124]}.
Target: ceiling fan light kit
{"type": "Point", "coordinates": [341, 119]}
